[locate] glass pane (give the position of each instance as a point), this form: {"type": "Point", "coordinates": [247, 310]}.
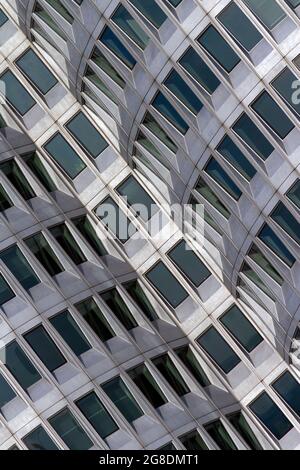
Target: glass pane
{"type": "Point", "coordinates": [16, 94]}
{"type": "Point", "coordinates": [289, 390]}
{"type": "Point", "coordinates": [87, 135]}
{"type": "Point", "coordinates": [123, 399]}
{"type": "Point", "coordinates": [128, 24]}
{"type": "Point", "coordinates": [205, 191]}
{"type": "Point", "coordinates": [62, 152]}
{"type": "Point", "coordinates": [6, 293]}
{"type": "Point", "coordinates": [6, 392]}
{"type": "Point", "coordinates": [3, 18]}
{"type": "Point", "coordinates": [140, 298]}
{"type": "Point", "coordinates": [268, 11]}
{"type": "Point", "coordinates": [44, 253]}
{"type": "Point", "coordinates": [284, 85]}
{"type": "Point", "coordinates": [44, 15]}
{"type": "Point", "coordinates": [20, 366]}
{"type": "Point", "coordinates": [276, 245]}
{"type": "Point", "coordinates": [137, 197]}
{"type": "Point", "coordinates": [113, 43]}
{"type": "Point", "coordinates": [5, 202]}
{"type": "Point", "coordinates": [34, 69]}
{"type": "Point", "coordinates": [155, 128]}
{"type": "Point", "coordinates": [214, 169]}
{"type": "Point", "coordinates": [146, 383]}
{"type": "Point", "coordinates": [221, 437]}
{"type": "Point", "coordinates": [187, 261]}
{"type": "Point", "coordinates": [115, 220]}
{"type": "Point", "coordinates": [191, 363]}
{"type": "Point", "coordinates": [39, 440]}
{"type": "Point", "coordinates": [240, 327]}
{"type": "Point", "coordinates": [287, 221]}
{"type": "Point", "coordinates": [182, 91]}
{"type": "Point", "coordinates": [214, 344]}
{"type": "Point", "coordinates": [168, 286]}
{"type": "Point", "coordinates": [171, 374]}
{"type": "Point", "coordinates": [221, 51]}
{"type": "Point", "coordinates": [97, 415]}
{"type": "Point", "coordinates": [101, 61]}
{"type": "Point", "coordinates": [95, 319]}
{"type": "Point", "coordinates": [256, 255]}
{"type": "Point", "coordinates": [66, 240]}
{"type": "Point", "coordinates": [236, 158]}
{"type": "Point", "coordinates": [66, 326]}
{"type": "Point", "coordinates": [61, 9]}
{"type": "Point", "coordinates": [119, 308]}
{"type": "Point", "coordinates": [253, 137]}
{"type": "Point", "coordinates": [45, 348]}
{"type": "Point", "coordinates": [14, 174]}
{"type": "Point", "coordinates": [239, 422]}
{"type": "Point", "coordinates": [70, 431]}
{"type": "Point", "coordinates": [18, 265]}
{"type": "Point", "coordinates": [87, 230]}
{"type": "Point", "coordinates": [151, 11]}
{"type": "Point", "coordinates": [271, 416]}
{"type": "Point", "coordinates": [294, 194]}
{"type": "Point", "coordinates": [38, 169]}
{"type": "Point", "coordinates": [164, 107]}
{"type": "Point", "coordinates": [193, 441]}
{"type": "Point", "coordinates": [198, 69]}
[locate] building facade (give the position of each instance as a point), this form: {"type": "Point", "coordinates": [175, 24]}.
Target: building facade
{"type": "Point", "coordinates": [168, 336]}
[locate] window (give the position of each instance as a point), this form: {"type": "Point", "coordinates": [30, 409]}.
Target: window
{"type": "Point", "coordinates": [216, 172]}
{"type": "Point", "coordinates": [273, 115]}
{"type": "Point", "coordinates": [269, 237]}
{"type": "Point", "coordinates": [97, 415]}
{"type": "Point", "coordinates": [239, 422]}
{"type": "Point", "coordinates": [218, 433]}
{"type": "Point", "coordinates": [66, 240]}
{"type": "Point", "coordinates": [164, 107]}
{"type": "Point", "coordinates": [256, 279]}
{"type": "Point", "coordinates": [19, 266]}
{"type": "Point", "coordinates": [271, 415]}
{"type": "Point", "coordinates": [87, 135]}
{"type": "Point", "coordinates": [93, 78]}
{"type": "Point", "coordinates": [20, 366]}
{"type": "Point", "coordinates": [7, 394]}
{"type": "Point", "coordinates": [182, 91]}
{"type": "Point", "coordinates": [288, 389]}
{"type": "Point", "coordinates": [170, 445]}
{"type": "Point", "coordinates": [205, 191]}
{"type": "Point", "coordinates": [61, 9]}
{"type": "Point", "coordinates": [45, 348]}
{"type": "Point", "coordinates": [193, 441]}
{"type": "Point", "coordinates": [66, 326]}
{"type": "Point", "coordinates": [127, 23]}
{"type": "Point", "coordinates": [219, 49]}
{"type": "Point", "coordinates": [218, 349]}
{"type": "Point", "coordinates": [197, 68]}
{"type": "Point", "coordinates": [44, 15]}
{"type": "Point", "coordinates": [16, 94]}
{"type": "Point", "coordinates": [115, 219]}
{"type": "Point", "coordinates": [101, 61]}
{"type": "Point", "coordinates": [66, 157]}
{"type": "Point", "coordinates": [138, 295]}
{"type": "Point", "coordinates": [236, 158]}
{"type": "Point", "coordinates": [113, 43]}
{"type": "Point", "coordinates": [95, 319]}
{"type": "Point", "coordinates": [3, 18]}
{"type": "Point", "coordinates": [119, 308]}
{"type": "Point", "coordinates": [36, 71]}
{"type": "Point", "coordinates": [122, 399]}
{"type": "Point", "coordinates": [151, 11]}
{"type": "Point", "coordinates": [38, 439]}
{"type": "Point", "coordinates": [253, 137]}
{"type": "Point", "coordinates": [293, 3]}
{"type": "Point", "coordinates": [41, 249]}
{"type": "Point", "coordinates": [166, 284]}
{"type": "Point", "coordinates": [240, 27]}
{"type": "Point", "coordinates": [5, 202]}
{"type": "Point", "coordinates": [241, 328]}
{"type": "Point", "coordinates": [38, 169]}
{"type": "Point", "coordinates": [170, 373]}
{"type": "Point", "coordinates": [256, 255]}
{"type": "Point", "coordinates": [187, 262]}
{"type": "Point", "coordinates": [294, 194]}
{"type": "Point", "coordinates": [70, 431]}
{"type": "Point", "coordinates": [6, 293]}
{"type": "Point", "coordinates": [267, 11]}
{"type": "Point", "coordinates": [87, 230]}
{"type": "Point", "coordinates": [151, 124]}
{"type": "Point", "coordinates": [137, 197]}
{"type": "Point", "coordinates": [14, 174]}
{"type": "Point", "coordinates": [147, 385]}
{"type": "Point", "coordinates": [282, 216]}
{"type": "Point", "coordinates": [188, 358]}
{"type": "Point", "coordinates": [283, 84]}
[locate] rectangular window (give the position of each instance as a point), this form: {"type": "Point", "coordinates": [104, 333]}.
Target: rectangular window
{"type": "Point", "coordinates": [70, 431]}
{"type": "Point", "coordinates": [205, 191]}
{"type": "Point", "coordinates": [127, 23]}
{"type": "Point", "coordinates": [267, 11]}
{"type": "Point", "coordinates": [137, 198]}
{"type": "Point", "coordinates": [236, 158]}
{"type": "Point", "coordinates": [219, 350]}
{"type": "Point", "coordinates": [216, 172]}
{"type": "Point", "coordinates": [239, 423]}
{"type": "Point", "coordinates": [241, 328]}
{"type": "Point", "coordinates": [187, 262]}
{"type": "Point", "coordinates": [182, 91]}
{"type": "Point", "coordinates": [16, 94]}
{"type": "Point", "coordinates": [15, 176]}
{"type": "Point", "coordinates": [87, 135]}
{"type": "Point", "coordinates": [151, 11]}
{"type": "Point", "coordinates": [271, 416]}
{"type": "Point", "coordinates": [38, 169]}
{"type": "Point", "coordinates": [284, 85]}
{"type": "Point", "coordinates": [294, 194]}
{"type": "Point", "coordinates": [19, 266]}
{"type": "Point", "coordinates": [239, 26]}
{"type": "Point", "coordinates": [288, 389]}
{"type": "Point", "coordinates": [138, 295]}
{"type": "Point", "coordinates": [188, 358]}
{"type": "Point", "coordinates": [164, 107]}
{"type": "Point", "coordinates": [219, 49]}
{"type": "Point", "coordinates": [45, 17]}
{"type": "Point", "coordinates": [45, 348]}
{"type": "Point", "coordinates": [97, 415]}
{"type": "Point", "coordinates": [6, 292]}
{"type": "Point", "coordinates": [113, 43]}
{"type": "Point", "coordinates": [66, 240]}
{"type": "Point", "coordinates": [170, 373]}
{"type": "Point", "coordinates": [36, 71]}
{"type": "Point", "coordinates": [101, 61]}
{"type": "Point", "coordinates": [197, 68]}
{"type": "Point", "coordinates": [66, 326]}
{"type": "Point", "coordinates": [256, 255]}
{"type": "Point", "coordinates": [256, 279]}
{"type": "Point", "coordinates": [147, 385]}
{"type": "Point", "coordinates": [3, 18]}
{"type": "Point", "coordinates": [115, 220]}
{"type": "Point", "coordinates": [38, 439]}
{"type": "Point", "coordinates": [61, 9]}
{"type": "Point", "coordinates": [41, 249]}
{"type": "Point", "coordinates": [117, 305]}
{"type": "Point", "coordinates": [166, 284]}
{"type": "Point", "coordinates": [123, 399]}
{"type": "Point", "coordinates": [219, 434]}
{"type": "Point", "coordinates": [7, 394]}
{"type": "Point", "coordinates": [270, 238]}
{"type": "Point", "coordinates": [282, 216]}
{"type": "Point", "coordinates": [273, 115]}
{"type": "Point", "coordinates": [193, 441]}
{"type": "Point", "coordinates": [20, 366]}
{"type": "Point", "coordinates": [151, 124]}
{"type": "Point", "coordinates": [87, 230]}
{"type": "Point", "coordinates": [5, 202]}
{"type": "Point", "coordinates": [95, 319]}
{"type": "Point", "coordinates": [253, 137]}
{"type": "Point", "coordinates": [66, 157]}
